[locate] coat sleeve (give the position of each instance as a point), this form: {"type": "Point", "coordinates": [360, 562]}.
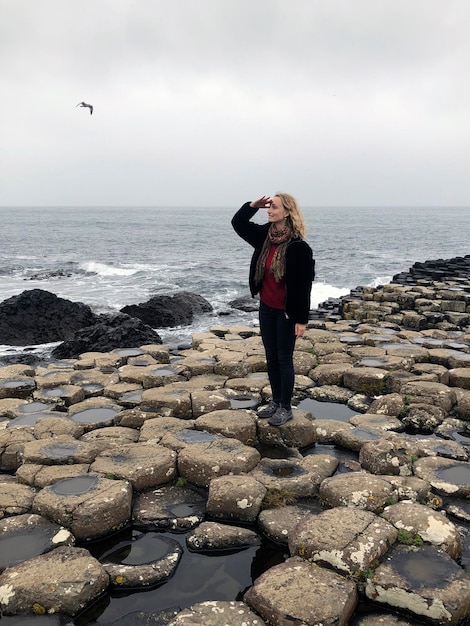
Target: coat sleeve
{"type": "Point", "coordinates": [247, 230]}
{"type": "Point", "coordinates": [300, 284]}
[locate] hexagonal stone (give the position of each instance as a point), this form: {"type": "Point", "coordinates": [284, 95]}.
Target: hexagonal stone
{"type": "Point", "coordinates": [278, 522]}
{"type": "Point", "coordinates": [330, 374]}
{"type": "Point", "coordinates": [23, 537]}
{"type": "Point", "coordinates": [200, 462]}
{"type": "Point", "coordinates": [357, 489]}
{"type": "Point", "coordinates": [285, 479]}
{"type": "Point", "coordinates": [237, 424]}
{"type": "Point", "coordinates": [213, 537]}
{"type": "Point", "coordinates": [65, 580]}
{"type": "Point", "coordinates": [309, 595]}
{"type": "Point", "coordinates": [145, 560]}
{"type": "Point", "coordinates": [110, 437]}
{"type": "Point", "coordinates": [376, 421]}
{"type": "Point", "coordinates": [298, 432]}
{"type": "Point", "coordinates": [170, 507]}
{"type": "Point", "coordinates": [430, 393]}
{"type": "Point", "coordinates": [217, 613]}
{"type": "Point", "coordinates": [349, 540]}
{"type": "Point", "coordinates": [358, 436]}
{"type": "Point", "coordinates": [447, 477]}
{"type": "Point", "coordinates": [168, 401]}
{"type": "Point", "coordinates": [460, 377]}
{"type": "Point", "coordinates": [367, 380]}
{"type": "Point", "coordinates": [89, 505]}
{"type": "Point", "coordinates": [158, 375]}
{"type": "Point", "coordinates": [40, 476]}
{"type": "Point", "coordinates": [65, 395]}
{"type": "Point", "coordinates": [235, 498]}
{"type": "Point", "coordinates": [11, 448]}
{"type": "Point", "coordinates": [231, 366]}
{"type": "Point", "coordinates": [445, 356]}
{"type": "Point", "coordinates": [143, 465]}
{"type": "Point", "coordinates": [18, 387]}
{"type": "Point", "coordinates": [417, 354]}
{"type": "Point", "coordinates": [254, 383]}
{"type": "Point", "coordinates": [54, 426]}
{"type": "Point", "coordinates": [432, 526]}
{"type": "Point", "coordinates": [94, 413]}
{"type": "Point", "coordinates": [199, 364]}
{"type": "Point", "coordinates": [424, 581]}
{"type": "Point", "coordinates": [59, 451]}
{"type": "Point", "coordinates": [205, 401]}
{"type": "Point", "coordinates": [15, 499]}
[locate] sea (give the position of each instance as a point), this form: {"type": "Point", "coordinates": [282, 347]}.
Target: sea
{"type": "Point", "coordinates": [109, 257]}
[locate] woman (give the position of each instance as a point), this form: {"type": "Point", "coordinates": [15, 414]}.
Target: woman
{"type": "Point", "coordinates": [281, 272]}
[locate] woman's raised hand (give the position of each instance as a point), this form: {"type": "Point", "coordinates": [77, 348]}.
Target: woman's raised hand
{"type": "Point", "coordinates": [262, 203]}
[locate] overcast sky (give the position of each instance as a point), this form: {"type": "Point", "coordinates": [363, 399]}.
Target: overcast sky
{"type": "Point", "coordinates": [213, 102]}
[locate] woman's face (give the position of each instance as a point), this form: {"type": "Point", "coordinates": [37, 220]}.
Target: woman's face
{"type": "Point", "coordinates": [276, 212]}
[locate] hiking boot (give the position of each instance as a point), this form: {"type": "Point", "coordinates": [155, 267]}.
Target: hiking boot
{"type": "Point", "coordinates": [281, 416]}
{"type": "Point", "coordinates": [268, 410]}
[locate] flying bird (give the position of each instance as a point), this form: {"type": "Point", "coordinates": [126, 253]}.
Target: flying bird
{"type": "Point", "coordinates": [84, 104]}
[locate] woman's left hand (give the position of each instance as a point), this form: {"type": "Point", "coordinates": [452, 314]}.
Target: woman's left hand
{"type": "Point", "coordinates": [300, 329]}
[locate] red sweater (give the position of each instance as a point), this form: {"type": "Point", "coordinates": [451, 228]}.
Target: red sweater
{"type": "Point", "coordinates": [272, 293]}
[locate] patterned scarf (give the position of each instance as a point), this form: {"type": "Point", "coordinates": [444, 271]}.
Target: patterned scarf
{"type": "Point", "coordinates": [281, 239]}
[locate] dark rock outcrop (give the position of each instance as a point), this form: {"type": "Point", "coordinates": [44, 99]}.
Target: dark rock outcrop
{"type": "Point", "coordinates": [245, 303]}
{"type": "Point", "coordinates": [37, 316]}
{"type": "Point", "coordinates": [165, 311]}
{"type": "Point", "coordinates": [109, 332]}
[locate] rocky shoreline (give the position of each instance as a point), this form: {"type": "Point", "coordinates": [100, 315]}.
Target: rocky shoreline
{"type": "Point", "coordinates": [162, 440]}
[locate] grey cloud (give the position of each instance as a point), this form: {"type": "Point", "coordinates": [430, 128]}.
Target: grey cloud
{"type": "Point", "coordinates": [347, 102]}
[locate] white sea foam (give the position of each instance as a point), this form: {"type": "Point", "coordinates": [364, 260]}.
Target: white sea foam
{"type": "Point", "coordinates": [322, 291]}
{"type": "Point", "coordinates": [380, 280]}
{"type": "Point", "coordinates": [103, 269]}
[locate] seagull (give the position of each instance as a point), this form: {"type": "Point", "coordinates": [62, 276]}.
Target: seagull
{"type": "Point", "coordinates": [84, 104]}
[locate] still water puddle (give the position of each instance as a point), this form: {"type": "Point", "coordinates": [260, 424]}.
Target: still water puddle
{"type": "Point", "coordinates": [185, 509]}
{"type": "Point", "coordinates": [195, 436]}
{"type": "Point", "coordinates": [288, 470]}
{"type": "Point", "coordinates": [456, 474]}
{"type": "Point", "coordinates": [365, 434]}
{"type": "Point", "coordinates": [129, 352]}
{"type": "Point", "coordinates": [141, 549]}
{"type": "Point", "coordinates": [327, 410]}
{"type": "Point", "coordinates": [55, 392]}
{"type": "Point", "coordinates": [28, 420]}
{"type": "Point", "coordinates": [76, 486]}
{"type": "Point", "coordinates": [94, 416]}
{"type": "Point", "coordinates": [373, 362]}
{"type": "Point", "coordinates": [423, 568]}
{"type": "Point", "coordinates": [23, 545]}
{"type": "Point", "coordinates": [18, 384]}
{"type": "Point", "coordinates": [33, 407]}
{"type": "Point", "coordinates": [243, 402]}
{"type": "Point", "coordinates": [90, 388]}
{"type": "Point", "coordinates": [163, 371]}
{"type": "Point", "coordinates": [60, 451]}
{"type": "Point", "coordinates": [131, 397]}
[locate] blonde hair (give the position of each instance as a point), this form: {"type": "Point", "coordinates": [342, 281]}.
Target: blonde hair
{"type": "Point", "coordinates": [295, 216]}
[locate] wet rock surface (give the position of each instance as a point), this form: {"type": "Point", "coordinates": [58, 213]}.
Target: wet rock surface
{"type": "Point", "coordinates": [107, 333]}
{"type": "Point", "coordinates": [63, 581]}
{"type": "Point", "coordinates": [163, 311]}
{"type": "Point", "coordinates": [37, 316]}
{"type": "Point", "coordinates": [361, 500]}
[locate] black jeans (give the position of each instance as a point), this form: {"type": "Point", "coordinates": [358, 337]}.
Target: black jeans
{"type": "Point", "coordinates": [278, 335]}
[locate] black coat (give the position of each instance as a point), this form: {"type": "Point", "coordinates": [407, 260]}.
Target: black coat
{"type": "Point", "coordinates": [300, 266]}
